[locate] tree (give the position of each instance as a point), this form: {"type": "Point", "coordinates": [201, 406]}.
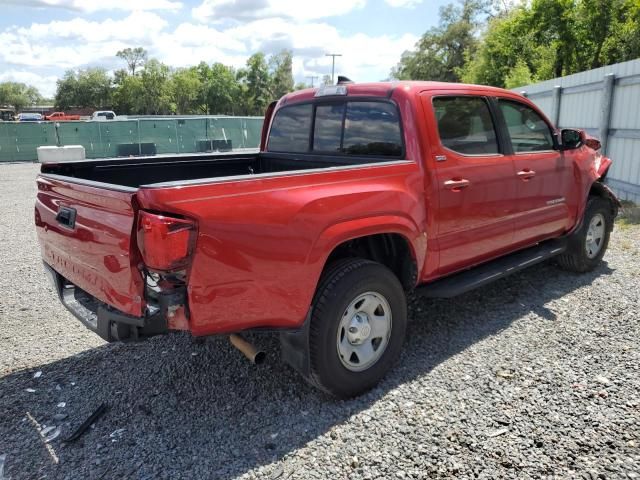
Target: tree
{"type": "Point", "coordinates": [135, 57]}
{"type": "Point", "coordinates": [554, 38]}
{"type": "Point", "coordinates": [219, 89]}
{"type": "Point", "coordinates": [186, 87]}
{"type": "Point", "coordinates": [440, 52]}
{"type": "Point", "coordinates": [127, 94]}
{"type": "Point", "coordinates": [518, 76]}
{"type": "Point", "coordinates": [86, 88]}
{"type": "Point", "coordinates": [281, 66]}
{"type": "Point", "coordinates": [155, 98]}
{"type": "Point", "coordinates": [258, 83]}
{"type": "Point", "coordinates": [18, 95]}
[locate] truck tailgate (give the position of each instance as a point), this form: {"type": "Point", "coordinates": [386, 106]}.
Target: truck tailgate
{"type": "Point", "coordinates": [85, 234]}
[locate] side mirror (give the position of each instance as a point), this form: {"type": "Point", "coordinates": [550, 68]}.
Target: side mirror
{"type": "Point", "coordinates": [571, 139]}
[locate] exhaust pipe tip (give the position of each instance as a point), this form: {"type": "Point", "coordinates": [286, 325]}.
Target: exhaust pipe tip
{"type": "Point", "coordinates": [254, 355]}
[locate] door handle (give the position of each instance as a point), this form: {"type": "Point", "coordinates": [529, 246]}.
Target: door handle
{"type": "Point", "coordinates": [526, 174]}
{"type": "Point", "coordinates": [457, 185]}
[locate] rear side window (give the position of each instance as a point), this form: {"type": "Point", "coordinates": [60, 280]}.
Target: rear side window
{"type": "Point", "coordinates": [465, 125]}
{"type": "Point", "coordinates": [372, 128]}
{"type": "Point", "coordinates": [528, 131]}
{"type": "Point", "coordinates": [327, 131]}
{"type": "Point", "coordinates": [290, 129]}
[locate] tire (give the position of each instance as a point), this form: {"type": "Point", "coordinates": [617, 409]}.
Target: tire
{"type": "Point", "coordinates": [354, 301]}
{"type": "Point", "coordinates": [584, 250]}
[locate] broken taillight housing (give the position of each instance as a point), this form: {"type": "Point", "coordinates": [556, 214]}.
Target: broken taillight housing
{"type": "Point", "coordinates": [166, 243]}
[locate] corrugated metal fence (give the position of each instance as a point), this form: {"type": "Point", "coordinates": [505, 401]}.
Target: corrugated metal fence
{"type": "Point", "coordinates": [606, 103]}
{"type": "Point", "coordinates": [19, 141]}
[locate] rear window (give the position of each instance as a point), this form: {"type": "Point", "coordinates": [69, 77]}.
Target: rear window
{"type": "Point", "coordinates": [290, 129]}
{"type": "Point", "coordinates": [352, 128]}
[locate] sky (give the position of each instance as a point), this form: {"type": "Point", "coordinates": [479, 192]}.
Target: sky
{"type": "Point", "coordinates": [41, 39]}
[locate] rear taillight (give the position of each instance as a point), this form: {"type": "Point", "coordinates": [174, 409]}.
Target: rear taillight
{"type": "Point", "coordinates": [166, 243]}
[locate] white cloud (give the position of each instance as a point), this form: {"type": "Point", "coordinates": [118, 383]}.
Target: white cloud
{"type": "Point", "coordinates": [403, 3]}
{"type": "Point", "coordinates": [217, 10]}
{"type": "Point", "coordinates": [90, 6]}
{"type": "Point", "coordinates": [78, 43]}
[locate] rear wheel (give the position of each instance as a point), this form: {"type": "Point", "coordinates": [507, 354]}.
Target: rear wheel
{"type": "Point", "coordinates": [357, 327]}
{"type": "Point", "coordinates": [589, 243]}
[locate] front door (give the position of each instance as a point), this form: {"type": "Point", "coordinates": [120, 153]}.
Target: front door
{"type": "Point", "coordinates": [476, 182]}
{"type": "Point", "coordinates": [544, 175]}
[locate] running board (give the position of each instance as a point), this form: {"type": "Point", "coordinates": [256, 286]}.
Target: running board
{"type": "Point", "coordinates": [484, 274]}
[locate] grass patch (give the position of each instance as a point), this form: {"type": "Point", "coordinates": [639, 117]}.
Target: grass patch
{"type": "Point", "coordinates": [629, 214]}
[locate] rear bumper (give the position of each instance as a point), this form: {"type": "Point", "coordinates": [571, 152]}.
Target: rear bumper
{"type": "Point", "coordinates": [108, 322]}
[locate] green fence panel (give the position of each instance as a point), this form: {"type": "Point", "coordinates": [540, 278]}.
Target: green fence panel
{"type": "Point", "coordinates": [161, 133]}
{"type": "Point", "coordinates": [86, 134]}
{"type": "Point", "coordinates": [254, 132]}
{"type": "Point", "coordinates": [6, 153]}
{"type": "Point", "coordinates": [23, 140]}
{"type": "Point", "coordinates": [191, 133]}
{"type": "Point", "coordinates": [228, 129]}
{"type": "Point", "coordinates": [120, 138]}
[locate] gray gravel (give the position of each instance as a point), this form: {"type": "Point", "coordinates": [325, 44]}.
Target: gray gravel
{"type": "Point", "coordinates": [536, 376]}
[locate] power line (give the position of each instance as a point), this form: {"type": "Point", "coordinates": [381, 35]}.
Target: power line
{"type": "Point", "coordinates": [312, 78]}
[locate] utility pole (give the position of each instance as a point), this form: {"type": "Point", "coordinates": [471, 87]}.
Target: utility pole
{"type": "Point", "coordinates": [312, 77]}
{"type": "Point", "coordinates": [333, 64]}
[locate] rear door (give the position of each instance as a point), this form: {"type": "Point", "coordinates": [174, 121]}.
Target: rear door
{"type": "Point", "coordinates": [85, 234]}
{"type": "Point", "coordinates": [544, 175]}
{"type": "Point", "coordinates": [476, 181]}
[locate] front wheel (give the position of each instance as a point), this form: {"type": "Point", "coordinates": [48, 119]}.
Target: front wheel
{"type": "Point", "coordinates": [588, 244]}
{"type": "Point", "coordinates": [357, 327]}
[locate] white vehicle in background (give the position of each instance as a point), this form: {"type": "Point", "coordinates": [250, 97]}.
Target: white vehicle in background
{"type": "Point", "coordinates": [103, 115]}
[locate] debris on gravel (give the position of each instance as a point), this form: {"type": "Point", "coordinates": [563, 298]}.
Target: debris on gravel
{"type": "Point", "coordinates": [535, 376]}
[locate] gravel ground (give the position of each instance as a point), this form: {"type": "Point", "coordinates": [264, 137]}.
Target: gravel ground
{"type": "Point", "coordinates": [535, 376]}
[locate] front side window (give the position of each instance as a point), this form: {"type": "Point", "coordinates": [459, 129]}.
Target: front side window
{"type": "Point", "coordinates": [465, 125]}
{"type": "Point", "coordinates": [528, 131]}
{"type": "Point", "coordinates": [290, 129]}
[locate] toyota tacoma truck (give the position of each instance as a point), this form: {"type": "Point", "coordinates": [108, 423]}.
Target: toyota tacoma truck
{"type": "Point", "coordinates": [358, 195]}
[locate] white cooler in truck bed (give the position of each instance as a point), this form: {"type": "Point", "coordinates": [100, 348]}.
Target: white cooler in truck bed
{"type": "Point", "coordinates": [68, 153]}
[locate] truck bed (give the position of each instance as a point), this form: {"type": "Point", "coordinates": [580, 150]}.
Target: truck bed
{"type": "Point", "coordinates": [135, 172]}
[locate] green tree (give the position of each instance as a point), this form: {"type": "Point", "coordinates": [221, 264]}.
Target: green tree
{"type": "Point", "coordinates": [258, 83]}
{"type": "Point", "coordinates": [554, 38]}
{"type": "Point", "coordinates": [127, 94]}
{"type": "Point", "coordinates": [135, 57]}
{"type": "Point", "coordinates": [219, 89]}
{"type": "Point", "coordinates": [281, 66]}
{"type": "Point", "coordinates": [155, 82]}
{"type": "Point", "coordinates": [186, 87]}
{"type": "Point", "coordinates": [18, 95]}
{"type": "Point", "coordinates": [440, 52]}
{"type": "Point", "coordinates": [518, 76]}
{"type": "Point", "coordinates": [86, 88]}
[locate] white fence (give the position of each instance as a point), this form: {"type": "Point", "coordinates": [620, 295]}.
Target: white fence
{"type": "Point", "coordinates": [606, 103]}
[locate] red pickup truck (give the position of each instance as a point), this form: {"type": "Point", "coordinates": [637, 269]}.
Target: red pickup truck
{"type": "Point", "coordinates": [359, 194]}
{"type": "Point", "coordinates": [61, 117]}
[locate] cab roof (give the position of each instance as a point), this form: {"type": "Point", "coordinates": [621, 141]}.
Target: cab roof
{"type": "Point", "coordinates": [385, 89]}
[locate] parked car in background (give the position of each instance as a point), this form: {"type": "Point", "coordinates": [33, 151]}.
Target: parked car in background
{"type": "Point", "coordinates": [360, 194]}
{"type": "Point", "coordinates": [7, 115]}
{"type": "Point", "coordinates": [29, 117]}
{"type": "Point", "coordinates": [61, 117]}
{"type": "Point", "coordinates": [103, 115]}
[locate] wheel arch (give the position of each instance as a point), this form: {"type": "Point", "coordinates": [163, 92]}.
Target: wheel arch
{"type": "Point", "coordinates": [391, 241]}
